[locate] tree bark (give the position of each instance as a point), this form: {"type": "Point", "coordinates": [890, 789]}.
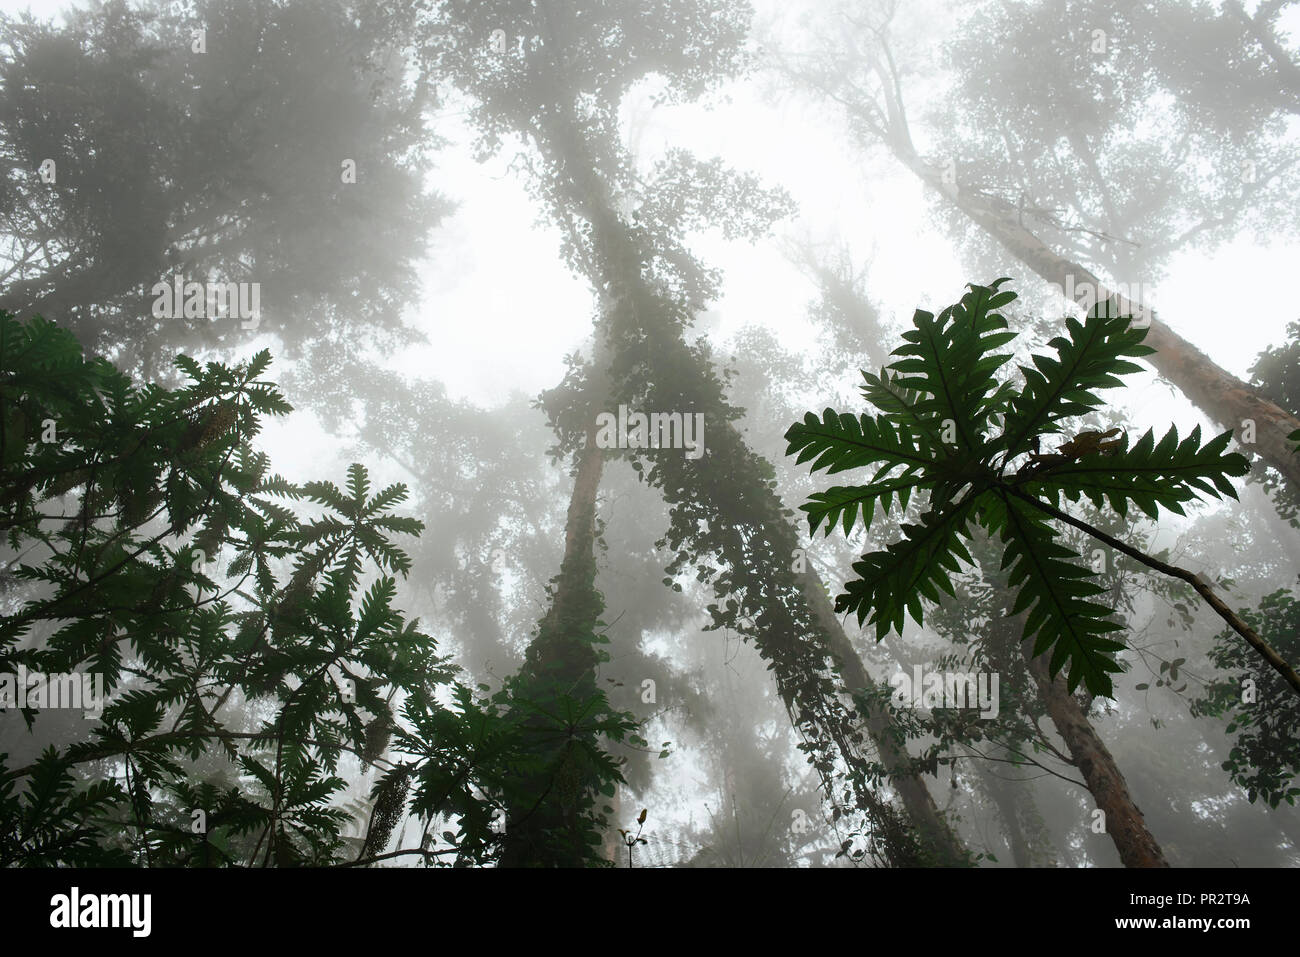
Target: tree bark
{"type": "Point", "coordinates": [1124, 821]}
{"type": "Point", "coordinates": [1222, 396]}
{"type": "Point", "coordinates": [544, 826]}
{"type": "Point", "coordinates": [936, 834]}
{"type": "Point", "coordinates": [554, 649]}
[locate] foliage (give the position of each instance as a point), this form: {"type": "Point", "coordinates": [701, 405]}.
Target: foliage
{"type": "Point", "coordinates": [1277, 372]}
{"type": "Point", "coordinates": [1265, 755]}
{"type": "Point", "coordinates": [224, 166]}
{"type": "Point", "coordinates": [236, 695]}
{"type": "Point", "coordinates": [948, 427]}
{"type": "Point", "coordinates": [627, 236]}
{"type": "Point", "coordinates": [1130, 146]}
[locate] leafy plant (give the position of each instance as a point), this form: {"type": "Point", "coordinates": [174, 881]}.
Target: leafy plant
{"type": "Point", "coordinates": [1265, 726]}
{"type": "Point", "coordinates": [232, 699]}
{"type": "Point", "coordinates": [1277, 373]}
{"type": "Point", "coordinates": [949, 427]}
{"type": "Point", "coordinates": [630, 841]}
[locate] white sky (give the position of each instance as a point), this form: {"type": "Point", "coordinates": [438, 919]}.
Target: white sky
{"type": "Point", "coordinates": [501, 311]}
{"type": "Point", "coordinates": [537, 312]}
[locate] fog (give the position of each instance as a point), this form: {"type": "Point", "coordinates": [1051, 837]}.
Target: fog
{"type": "Point", "coordinates": [488, 240]}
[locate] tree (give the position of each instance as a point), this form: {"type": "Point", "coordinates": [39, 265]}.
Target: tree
{"type": "Point", "coordinates": [254, 160]}
{"type": "Point", "coordinates": [561, 97]}
{"type": "Point", "coordinates": [984, 637]}
{"type": "Point", "coordinates": [1263, 722]}
{"type": "Point", "coordinates": [861, 75]}
{"type": "Point", "coordinates": [1276, 372]}
{"type": "Point", "coordinates": [559, 673]}
{"type": "Point", "coordinates": [540, 94]}
{"type": "Point", "coordinates": [281, 668]}
{"type": "Point", "coordinates": [1124, 142]}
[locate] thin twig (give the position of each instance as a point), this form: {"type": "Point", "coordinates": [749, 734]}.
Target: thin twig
{"type": "Point", "coordinates": [1194, 579]}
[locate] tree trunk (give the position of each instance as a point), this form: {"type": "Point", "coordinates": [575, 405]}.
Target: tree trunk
{"type": "Point", "coordinates": [1027, 837]}
{"type": "Point", "coordinates": [1005, 801]}
{"type": "Point", "coordinates": [612, 847]}
{"type": "Point", "coordinates": [1223, 397]}
{"type": "Point", "coordinates": [936, 835]}
{"type": "Point", "coordinates": [1124, 822]}
{"type": "Point", "coordinates": [553, 650]}
{"type": "Point", "coordinates": [613, 261]}
{"type": "Point", "coordinates": [543, 825]}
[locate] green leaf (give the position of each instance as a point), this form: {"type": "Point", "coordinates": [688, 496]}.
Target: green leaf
{"type": "Point", "coordinates": [1054, 587]}
{"type": "Point", "coordinates": [1147, 475]}
{"type": "Point", "coordinates": [946, 367]}
{"type": "Point", "coordinates": [1063, 386]}
{"type": "Point", "coordinates": [842, 503]}
{"type": "Point", "coordinates": [891, 583]}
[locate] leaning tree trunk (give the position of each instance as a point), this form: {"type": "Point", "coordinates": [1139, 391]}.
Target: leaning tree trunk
{"type": "Point", "coordinates": [1222, 396]}
{"type": "Point", "coordinates": [1124, 822]}
{"type": "Point", "coordinates": [1031, 844]}
{"type": "Point", "coordinates": [1006, 801]}
{"type": "Point", "coordinates": [937, 837]}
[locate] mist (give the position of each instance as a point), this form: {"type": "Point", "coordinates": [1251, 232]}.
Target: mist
{"type": "Point", "coordinates": [576, 285]}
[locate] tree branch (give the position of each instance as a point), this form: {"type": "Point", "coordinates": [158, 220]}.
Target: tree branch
{"type": "Point", "coordinates": [1194, 579]}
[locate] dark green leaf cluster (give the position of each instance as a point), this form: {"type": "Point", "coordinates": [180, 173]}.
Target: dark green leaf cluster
{"type": "Point", "coordinates": [1263, 722]}
{"type": "Point", "coordinates": [232, 696]}
{"type": "Point", "coordinates": [949, 426]}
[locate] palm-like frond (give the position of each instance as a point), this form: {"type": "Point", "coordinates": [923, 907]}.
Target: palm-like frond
{"type": "Point", "coordinates": [939, 402]}
{"type": "Point", "coordinates": [1148, 475]}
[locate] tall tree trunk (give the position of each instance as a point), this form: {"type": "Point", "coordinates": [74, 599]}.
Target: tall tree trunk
{"type": "Point", "coordinates": [1124, 822]}
{"type": "Point", "coordinates": [544, 826]}
{"type": "Point", "coordinates": [942, 845]}
{"type": "Point", "coordinates": [1030, 844]}
{"type": "Point", "coordinates": [554, 650]}
{"type": "Point", "coordinates": [613, 260]}
{"type": "Point", "coordinates": [1005, 801]}
{"type": "Point", "coordinates": [612, 848]}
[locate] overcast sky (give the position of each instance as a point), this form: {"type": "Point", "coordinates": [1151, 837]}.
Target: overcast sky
{"type": "Point", "coordinates": [493, 330]}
